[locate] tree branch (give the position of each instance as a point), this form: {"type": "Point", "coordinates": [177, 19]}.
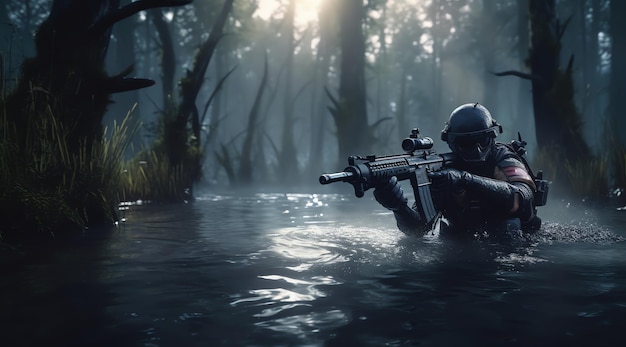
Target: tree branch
{"type": "Point", "coordinates": [519, 74]}
{"type": "Point", "coordinates": [122, 13]}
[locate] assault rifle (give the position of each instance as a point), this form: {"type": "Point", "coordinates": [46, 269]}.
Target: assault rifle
{"type": "Point", "coordinates": [368, 172]}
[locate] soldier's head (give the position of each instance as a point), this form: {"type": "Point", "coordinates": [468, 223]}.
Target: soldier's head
{"type": "Point", "coordinates": [470, 132]}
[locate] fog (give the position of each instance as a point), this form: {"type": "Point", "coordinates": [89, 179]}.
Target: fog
{"type": "Point", "coordinates": [423, 59]}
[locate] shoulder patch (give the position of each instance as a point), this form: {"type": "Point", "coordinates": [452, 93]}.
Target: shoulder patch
{"type": "Point", "coordinates": [514, 170]}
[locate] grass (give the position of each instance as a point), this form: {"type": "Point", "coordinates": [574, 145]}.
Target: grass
{"type": "Point", "coordinates": [50, 189]}
{"type": "Point", "coordinates": [618, 158]}
{"type": "Point", "coordinates": [587, 178]}
{"type": "Point", "coordinates": [150, 177]}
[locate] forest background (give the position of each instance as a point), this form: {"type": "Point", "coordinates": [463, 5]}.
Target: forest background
{"type": "Point", "coordinates": [115, 100]}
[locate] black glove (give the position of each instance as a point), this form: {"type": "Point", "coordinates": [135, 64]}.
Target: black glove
{"type": "Point", "coordinates": [449, 180]}
{"type": "Point", "coordinates": [498, 194]}
{"type": "Point", "coordinates": [390, 195]}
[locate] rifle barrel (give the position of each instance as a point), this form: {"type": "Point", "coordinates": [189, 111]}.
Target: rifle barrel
{"type": "Point", "coordinates": [335, 177]}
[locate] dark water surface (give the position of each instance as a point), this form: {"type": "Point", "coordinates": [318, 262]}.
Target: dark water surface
{"type": "Point", "coordinates": [318, 270]}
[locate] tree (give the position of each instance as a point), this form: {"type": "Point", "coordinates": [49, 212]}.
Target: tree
{"type": "Point", "coordinates": [66, 80]}
{"type": "Point", "coordinates": [71, 47]}
{"type": "Point", "coordinates": [349, 110]}
{"type": "Point", "coordinates": [557, 120]}
{"type": "Point", "coordinates": [5, 47]}
{"type": "Point", "coordinates": [522, 110]}
{"type": "Point", "coordinates": [181, 138]}
{"type": "Point", "coordinates": [408, 60]}
{"type": "Point", "coordinates": [328, 28]}
{"type": "Point", "coordinates": [618, 70]}
{"type": "Point", "coordinates": [123, 57]}
{"type": "Point", "coordinates": [288, 160]}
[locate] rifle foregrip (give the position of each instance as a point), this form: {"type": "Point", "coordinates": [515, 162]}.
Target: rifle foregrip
{"type": "Point", "coordinates": [335, 177]}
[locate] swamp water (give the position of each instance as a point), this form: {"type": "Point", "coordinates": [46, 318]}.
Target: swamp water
{"type": "Point", "coordinates": [318, 270]}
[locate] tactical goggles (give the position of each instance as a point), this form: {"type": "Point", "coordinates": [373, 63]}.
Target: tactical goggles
{"type": "Point", "coordinates": [469, 141]}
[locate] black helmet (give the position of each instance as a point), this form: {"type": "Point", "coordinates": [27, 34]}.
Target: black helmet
{"type": "Point", "coordinates": [470, 132]}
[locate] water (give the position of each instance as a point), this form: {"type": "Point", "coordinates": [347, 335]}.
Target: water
{"type": "Point", "coordinates": [317, 270]}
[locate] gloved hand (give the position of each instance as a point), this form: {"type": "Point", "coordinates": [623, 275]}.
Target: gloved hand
{"type": "Point", "coordinates": [449, 179]}
{"type": "Point", "coordinates": [499, 194]}
{"type": "Point", "coordinates": [390, 195]}
{"type": "Point", "coordinates": [445, 183]}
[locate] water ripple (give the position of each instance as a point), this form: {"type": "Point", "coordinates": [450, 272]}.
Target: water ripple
{"type": "Point", "coordinates": [306, 324]}
{"type": "Point", "coordinates": [286, 307]}
{"type": "Point", "coordinates": [303, 291]}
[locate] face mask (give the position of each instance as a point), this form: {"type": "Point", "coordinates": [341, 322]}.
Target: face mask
{"type": "Point", "coordinates": [472, 148]}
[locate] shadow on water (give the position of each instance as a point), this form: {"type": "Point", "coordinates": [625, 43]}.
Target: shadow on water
{"type": "Point", "coordinates": [318, 270]}
{"type": "Point", "coordinates": [51, 295]}
{"type": "Point", "coordinates": [67, 293]}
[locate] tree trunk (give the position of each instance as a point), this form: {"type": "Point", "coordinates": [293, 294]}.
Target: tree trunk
{"type": "Point", "coordinates": [216, 108]}
{"type": "Point", "coordinates": [618, 68]}
{"type": "Point", "coordinates": [350, 110]}
{"type": "Point", "coordinates": [319, 105]}
{"type": "Point", "coordinates": [70, 64]}
{"type": "Point", "coordinates": [246, 169]}
{"type": "Point", "coordinates": [194, 79]}
{"type": "Point", "coordinates": [66, 79]}
{"type": "Point", "coordinates": [592, 88]}
{"type": "Point", "coordinates": [6, 49]}
{"type": "Point", "coordinates": [168, 59]}
{"type": "Point", "coordinates": [522, 112]}
{"type": "Point", "coordinates": [556, 118]}
{"type": "Point", "coordinates": [177, 140]}
{"type": "Point", "coordinates": [382, 83]}
{"type": "Point", "coordinates": [544, 63]}
{"type": "Point", "coordinates": [71, 47]}
{"type": "Point", "coordinates": [123, 59]}
{"type": "Point", "coordinates": [488, 30]}
{"type": "Point", "coordinates": [288, 160]}
{"type": "Point", "coordinates": [401, 109]}
{"type": "Point", "coordinates": [437, 78]}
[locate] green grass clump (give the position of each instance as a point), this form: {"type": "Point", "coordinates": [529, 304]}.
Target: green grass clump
{"type": "Point", "coordinates": [618, 160]}
{"type": "Point", "coordinates": [167, 171]}
{"type": "Point", "coordinates": [149, 176]}
{"type": "Point", "coordinates": [587, 178]}
{"type": "Point", "coordinates": [48, 188]}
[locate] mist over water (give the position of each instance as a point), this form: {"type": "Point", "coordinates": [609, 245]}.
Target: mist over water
{"type": "Point", "coordinates": [281, 269]}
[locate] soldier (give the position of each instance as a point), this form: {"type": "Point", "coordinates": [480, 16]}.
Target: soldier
{"type": "Point", "coordinates": [487, 187]}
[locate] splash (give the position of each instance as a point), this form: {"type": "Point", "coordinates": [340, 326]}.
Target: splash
{"type": "Point", "coordinates": [581, 231]}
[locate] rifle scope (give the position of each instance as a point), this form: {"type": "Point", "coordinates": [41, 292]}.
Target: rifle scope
{"type": "Point", "coordinates": [411, 144]}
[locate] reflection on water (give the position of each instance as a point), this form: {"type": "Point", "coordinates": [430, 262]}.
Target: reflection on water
{"type": "Point", "coordinates": [317, 270]}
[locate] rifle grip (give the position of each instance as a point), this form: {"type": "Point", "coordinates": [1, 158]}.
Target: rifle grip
{"type": "Point", "coordinates": [358, 189]}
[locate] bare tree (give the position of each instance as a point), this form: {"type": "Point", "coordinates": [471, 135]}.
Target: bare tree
{"type": "Point", "coordinates": [66, 81]}
{"type": "Point", "coordinates": [184, 148]}
{"type": "Point", "coordinates": [557, 121]}
{"type": "Point", "coordinates": [288, 160]}
{"type": "Point", "coordinates": [618, 70]}
{"type": "Point", "coordinates": [319, 111]}
{"type": "Point", "coordinates": [349, 110]}
{"type": "Point", "coordinates": [71, 47]}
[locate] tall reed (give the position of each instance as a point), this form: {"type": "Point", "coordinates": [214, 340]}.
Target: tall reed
{"type": "Point", "coordinates": [49, 188]}
{"type": "Point", "coordinates": [588, 177]}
